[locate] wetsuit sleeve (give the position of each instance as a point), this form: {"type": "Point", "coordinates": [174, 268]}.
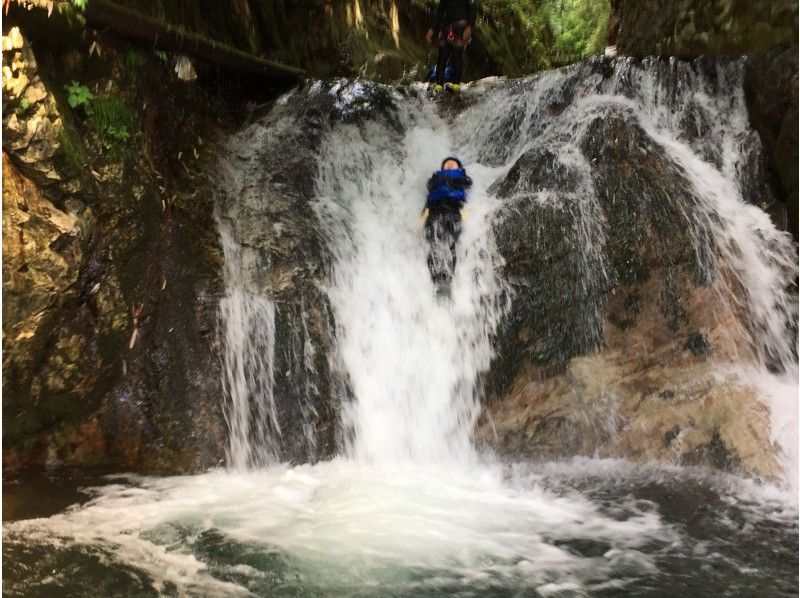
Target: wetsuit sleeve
{"type": "Point", "coordinates": [473, 12]}
{"type": "Point", "coordinates": [438, 17]}
{"type": "Point", "coordinates": [432, 181]}
{"type": "Point", "coordinates": [463, 182]}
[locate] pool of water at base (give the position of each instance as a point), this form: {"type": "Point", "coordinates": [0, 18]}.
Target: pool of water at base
{"type": "Point", "coordinates": [584, 528]}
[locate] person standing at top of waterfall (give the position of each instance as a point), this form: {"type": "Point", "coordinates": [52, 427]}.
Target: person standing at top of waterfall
{"type": "Point", "coordinates": [452, 30]}
{"type": "Point", "coordinates": [447, 196]}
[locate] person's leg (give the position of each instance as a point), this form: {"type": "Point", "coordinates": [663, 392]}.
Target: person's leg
{"type": "Point", "coordinates": [453, 233]}
{"type": "Point", "coordinates": [441, 62]}
{"type": "Point", "coordinates": [432, 227]}
{"type": "Point", "coordinates": [456, 57]}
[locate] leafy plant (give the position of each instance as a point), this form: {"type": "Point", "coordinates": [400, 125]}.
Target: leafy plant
{"type": "Point", "coordinates": [118, 133]}
{"type": "Point", "coordinates": [113, 120]}
{"type": "Point", "coordinates": [108, 115]}
{"type": "Point", "coordinates": [579, 26]}
{"type": "Point", "coordinates": [161, 55]}
{"type": "Point", "coordinates": [24, 104]}
{"type": "Point", "coordinates": [79, 96]}
{"type": "Point", "coordinates": [79, 4]}
{"type": "Point", "coordinates": [133, 60]}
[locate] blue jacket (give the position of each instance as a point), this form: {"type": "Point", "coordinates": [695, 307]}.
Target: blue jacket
{"type": "Point", "coordinates": [448, 184]}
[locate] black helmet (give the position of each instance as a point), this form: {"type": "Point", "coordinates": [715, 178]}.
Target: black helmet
{"type": "Point", "coordinates": [454, 159]}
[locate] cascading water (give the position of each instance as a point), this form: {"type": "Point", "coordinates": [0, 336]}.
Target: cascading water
{"type": "Point", "coordinates": [249, 341]}
{"type": "Point", "coordinates": [409, 507]}
{"type": "Point", "coordinates": [412, 360]}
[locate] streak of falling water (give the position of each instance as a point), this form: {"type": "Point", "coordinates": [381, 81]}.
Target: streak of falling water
{"type": "Point", "coordinates": [413, 361]}
{"type": "Point", "coordinates": [248, 362]}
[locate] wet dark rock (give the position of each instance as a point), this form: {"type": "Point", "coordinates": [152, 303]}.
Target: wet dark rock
{"type": "Point", "coordinates": [714, 453]}
{"type": "Point", "coordinates": [698, 344]}
{"type": "Point", "coordinates": [767, 33]}
{"type": "Point", "coordinates": [667, 394]}
{"type": "Point", "coordinates": [593, 357]}
{"type": "Point", "coordinates": [272, 181]}
{"type": "Point", "coordinates": [715, 27]}
{"type": "Point", "coordinates": [671, 435]}
{"type": "Point", "coordinates": [642, 201]}
{"type": "Point", "coordinates": [771, 92]}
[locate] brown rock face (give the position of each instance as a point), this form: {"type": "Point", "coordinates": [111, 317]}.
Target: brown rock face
{"type": "Point", "coordinates": [44, 358]}
{"type": "Point", "coordinates": [643, 396]}
{"type": "Point", "coordinates": [32, 125]}
{"type": "Point", "coordinates": [111, 270]}
{"type": "Point", "coordinates": [629, 331]}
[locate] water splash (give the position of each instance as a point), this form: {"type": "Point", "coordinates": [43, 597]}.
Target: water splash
{"type": "Point", "coordinates": [412, 361]}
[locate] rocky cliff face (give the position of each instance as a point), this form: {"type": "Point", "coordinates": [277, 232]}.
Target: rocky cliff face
{"type": "Point", "coordinates": [628, 329]}
{"type": "Point", "coordinates": [112, 267]}
{"type": "Point", "coordinates": [766, 31]}
{"type": "Point", "coordinates": [714, 27]}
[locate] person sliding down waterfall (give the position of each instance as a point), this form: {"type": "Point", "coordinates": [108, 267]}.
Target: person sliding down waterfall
{"type": "Point", "coordinates": [452, 25]}
{"type": "Point", "coordinates": [447, 195]}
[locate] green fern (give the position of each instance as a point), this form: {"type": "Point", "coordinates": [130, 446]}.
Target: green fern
{"type": "Point", "coordinates": [113, 120]}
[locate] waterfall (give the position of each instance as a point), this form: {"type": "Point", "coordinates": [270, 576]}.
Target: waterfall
{"type": "Point", "coordinates": [588, 179]}
{"type": "Point", "coordinates": [414, 365]}
{"type": "Point", "coordinates": [412, 360]}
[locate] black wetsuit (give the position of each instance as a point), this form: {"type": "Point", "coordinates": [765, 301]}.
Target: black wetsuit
{"type": "Point", "coordinates": [443, 224]}
{"type": "Point", "coordinates": [442, 230]}
{"type": "Point", "coordinates": [449, 22]}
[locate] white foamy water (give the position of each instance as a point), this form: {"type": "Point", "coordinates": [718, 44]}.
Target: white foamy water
{"type": "Point", "coordinates": [346, 528]}
{"type": "Point", "coordinates": [411, 359]}
{"type": "Point", "coordinates": [409, 507]}
{"type": "Point", "coordinates": [248, 364]}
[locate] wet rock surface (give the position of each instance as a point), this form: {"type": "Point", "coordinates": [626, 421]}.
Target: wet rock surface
{"type": "Point", "coordinates": [277, 249]}
{"type": "Point", "coordinates": [715, 27]}
{"type": "Point", "coordinates": [771, 92]}
{"type": "Point", "coordinates": [767, 33]}
{"type": "Point", "coordinates": [621, 340]}
{"type": "Point", "coordinates": [112, 269]}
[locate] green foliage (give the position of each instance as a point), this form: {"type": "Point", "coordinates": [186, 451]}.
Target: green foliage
{"type": "Point", "coordinates": [579, 27]}
{"type": "Point", "coordinates": [24, 104]}
{"type": "Point", "coordinates": [108, 115]}
{"type": "Point", "coordinates": [161, 55]}
{"type": "Point", "coordinates": [79, 4]}
{"type": "Point", "coordinates": [113, 120]}
{"type": "Point", "coordinates": [530, 35]}
{"type": "Point", "coordinates": [72, 152]}
{"type": "Point", "coordinates": [133, 60]}
{"type": "Point", "coordinates": [79, 96]}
